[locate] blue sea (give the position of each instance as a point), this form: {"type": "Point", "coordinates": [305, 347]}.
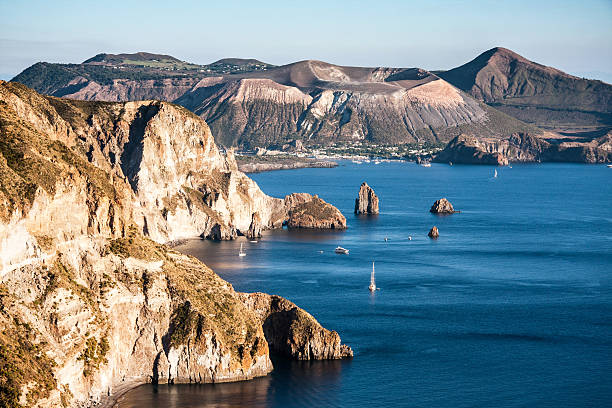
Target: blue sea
{"type": "Point", "coordinates": [510, 307]}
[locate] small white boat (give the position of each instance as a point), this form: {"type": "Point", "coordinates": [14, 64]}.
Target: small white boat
{"type": "Point", "coordinates": [450, 163]}
{"type": "Point", "coordinates": [495, 174]}
{"type": "Point", "coordinates": [426, 164]}
{"type": "Point", "coordinates": [340, 250]}
{"type": "Point", "coordinates": [386, 239]}
{"type": "Point", "coordinates": [253, 241]}
{"type": "Point", "coordinates": [241, 253]}
{"type": "Point", "coordinates": [372, 286]}
{"type": "Point", "coordinates": [409, 238]}
{"type": "Point", "coordinates": [377, 162]}
{"type": "Point", "coordinates": [610, 166]}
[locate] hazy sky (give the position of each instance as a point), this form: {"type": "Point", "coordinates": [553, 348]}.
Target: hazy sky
{"type": "Point", "coordinates": [575, 36]}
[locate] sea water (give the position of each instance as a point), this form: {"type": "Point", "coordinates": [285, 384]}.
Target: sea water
{"type": "Point", "coordinates": [510, 307]}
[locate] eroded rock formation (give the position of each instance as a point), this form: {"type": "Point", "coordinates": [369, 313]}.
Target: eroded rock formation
{"type": "Point", "coordinates": [291, 331]}
{"type": "Point", "coordinates": [366, 201]}
{"type": "Point", "coordinates": [442, 206]}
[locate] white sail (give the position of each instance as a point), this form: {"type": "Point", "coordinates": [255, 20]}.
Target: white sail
{"type": "Point", "coordinates": [372, 286]}
{"type": "Point", "coordinates": [241, 253]}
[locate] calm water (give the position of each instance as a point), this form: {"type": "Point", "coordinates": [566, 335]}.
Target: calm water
{"type": "Point", "coordinates": [511, 307]}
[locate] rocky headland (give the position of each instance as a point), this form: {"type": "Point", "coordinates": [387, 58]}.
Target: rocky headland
{"type": "Point", "coordinates": [293, 332]}
{"type": "Point", "coordinates": [525, 147]}
{"type": "Point", "coordinates": [366, 201]}
{"type": "Point", "coordinates": [91, 301]}
{"type": "Point", "coordinates": [311, 212]}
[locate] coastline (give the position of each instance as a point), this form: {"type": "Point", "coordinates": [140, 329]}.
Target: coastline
{"type": "Point", "coordinates": [258, 164]}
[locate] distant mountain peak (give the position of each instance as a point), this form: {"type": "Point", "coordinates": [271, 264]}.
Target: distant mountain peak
{"type": "Point", "coordinates": [239, 61]}
{"type": "Point", "coordinates": [137, 56]}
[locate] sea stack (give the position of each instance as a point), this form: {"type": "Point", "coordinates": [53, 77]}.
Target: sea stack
{"type": "Point", "coordinates": [367, 201]}
{"type": "Point", "coordinates": [442, 206]}
{"type": "Point", "coordinates": [433, 233]}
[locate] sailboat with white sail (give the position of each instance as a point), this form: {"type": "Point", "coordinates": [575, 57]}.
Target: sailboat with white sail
{"type": "Point", "coordinates": [372, 286]}
{"type": "Point", "coordinates": [241, 253]}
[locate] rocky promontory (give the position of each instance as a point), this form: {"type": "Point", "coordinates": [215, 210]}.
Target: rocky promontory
{"type": "Point", "coordinates": [91, 300]}
{"type": "Point", "coordinates": [525, 147]}
{"type": "Point", "coordinates": [293, 332]}
{"type": "Point", "coordinates": [442, 206]}
{"type": "Point", "coordinates": [306, 211]}
{"type": "Point", "coordinates": [469, 150]}
{"type": "Point", "coordinates": [366, 201]}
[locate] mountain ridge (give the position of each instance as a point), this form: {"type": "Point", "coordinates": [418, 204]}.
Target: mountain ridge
{"type": "Point", "coordinates": [321, 103]}
{"type": "Point", "coordinates": [534, 92]}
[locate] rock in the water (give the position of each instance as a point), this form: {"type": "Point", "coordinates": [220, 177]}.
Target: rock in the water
{"type": "Point", "coordinates": [433, 233]}
{"type": "Point", "coordinates": [292, 331]}
{"type": "Point", "coordinates": [314, 213]}
{"type": "Point", "coordinates": [367, 201]}
{"type": "Point", "coordinates": [255, 227]}
{"type": "Point", "coordinates": [442, 206]}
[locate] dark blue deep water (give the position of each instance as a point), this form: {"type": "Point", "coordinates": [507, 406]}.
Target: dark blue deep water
{"type": "Point", "coordinates": [510, 307]}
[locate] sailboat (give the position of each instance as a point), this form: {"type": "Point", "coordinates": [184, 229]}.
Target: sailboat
{"type": "Point", "coordinates": [241, 253]}
{"type": "Point", "coordinates": [495, 174]}
{"type": "Point", "coordinates": [372, 286]}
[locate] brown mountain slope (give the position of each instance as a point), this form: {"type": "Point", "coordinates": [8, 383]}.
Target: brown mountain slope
{"type": "Point", "coordinates": [534, 93]}
{"type": "Point", "coordinates": [313, 101]}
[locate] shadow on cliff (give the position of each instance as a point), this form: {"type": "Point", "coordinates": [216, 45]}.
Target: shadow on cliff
{"type": "Point", "coordinates": [133, 149]}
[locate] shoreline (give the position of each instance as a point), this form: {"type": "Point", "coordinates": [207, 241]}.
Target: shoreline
{"type": "Point", "coordinates": [253, 165]}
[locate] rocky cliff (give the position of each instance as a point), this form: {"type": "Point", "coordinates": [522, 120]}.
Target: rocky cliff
{"type": "Point", "coordinates": [366, 201]}
{"type": "Point", "coordinates": [525, 147]}
{"type": "Point", "coordinates": [292, 331]}
{"type": "Point", "coordinates": [90, 303]}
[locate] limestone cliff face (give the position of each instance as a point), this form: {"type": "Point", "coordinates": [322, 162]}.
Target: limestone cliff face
{"type": "Point", "coordinates": [161, 157]}
{"type": "Point", "coordinates": [366, 201]}
{"type": "Point", "coordinates": [291, 331]}
{"type": "Point", "coordinates": [525, 147]}
{"type": "Point", "coordinates": [89, 305]}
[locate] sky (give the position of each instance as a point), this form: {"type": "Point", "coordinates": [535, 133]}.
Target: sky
{"type": "Point", "coordinates": [574, 36]}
